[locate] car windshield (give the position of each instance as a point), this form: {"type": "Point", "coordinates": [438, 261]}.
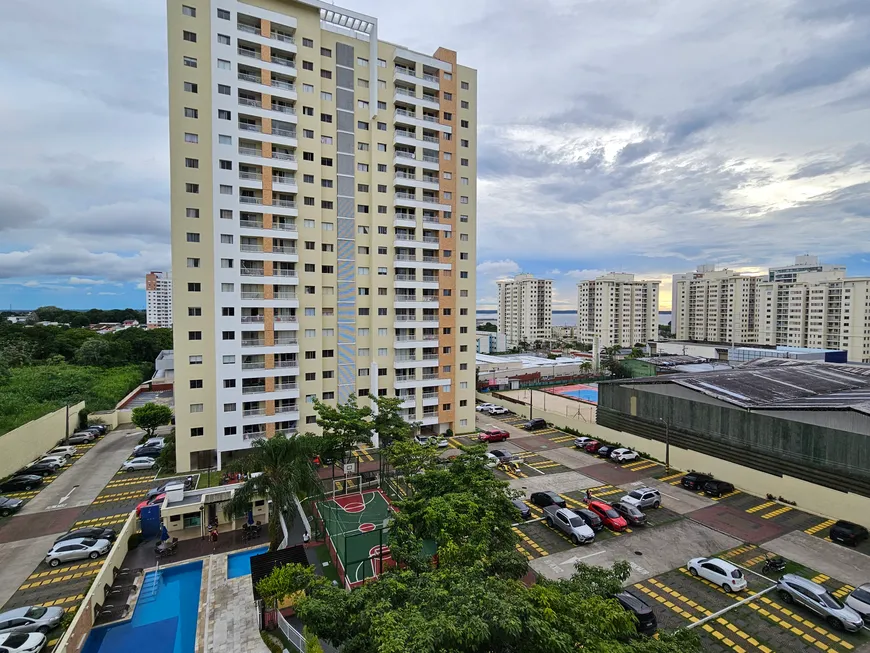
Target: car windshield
{"type": "Point", "coordinates": [611, 513]}
{"type": "Point", "coordinates": [35, 612]}
{"type": "Point", "coordinates": [15, 641]}
{"type": "Point", "coordinates": [89, 542]}
{"type": "Point", "coordinates": [862, 595]}
{"type": "Point", "coordinates": [830, 601]}
{"type": "Point", "coordinates": [635, 495]}
{"type": "Point", "coordinates": [576, 521]}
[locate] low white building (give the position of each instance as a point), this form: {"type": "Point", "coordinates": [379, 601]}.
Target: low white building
{"type": "Point", "coordinates": [490, 343]}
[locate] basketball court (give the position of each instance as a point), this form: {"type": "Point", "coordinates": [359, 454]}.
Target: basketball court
{"type": "Point", "coordinates": [357, 533]}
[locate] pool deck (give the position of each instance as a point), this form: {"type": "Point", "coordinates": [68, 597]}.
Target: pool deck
{"type": "Point", "coordinates": [230, 623]}
{"type": "Point", "coordinates": [190, 549]}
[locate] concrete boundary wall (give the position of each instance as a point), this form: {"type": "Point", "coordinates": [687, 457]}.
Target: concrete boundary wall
{"type": "Point", "coordinates": [809, 497]}
{"type": "Point", "coordinates": [29, 441]}
{"type": "Point", "coordinates": [75, 636]}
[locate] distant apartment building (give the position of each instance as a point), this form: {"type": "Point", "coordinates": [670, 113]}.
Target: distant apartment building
{"type": "Point", "coordinates": [618, 310]}
{"type": "Point", "coordinates": [525, 309]}
{"type": "Point", "coordinates": [564, 332]}
{"type": "Point", "coordinates": [713, 305]}
{"type": "Point", "coordinates": [820, 309]}
{"type": "Point", "coordinates": [802, 265]}
{"type": "Point", "coordinates": [490, 343]}
{"type": "Point", "coordinates": [158, 299]}
{"type": "Point", "coordinates": [323, 222]}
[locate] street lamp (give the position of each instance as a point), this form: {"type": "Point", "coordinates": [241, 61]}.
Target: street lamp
{"type": "Point", "coordinates": [667, 446]}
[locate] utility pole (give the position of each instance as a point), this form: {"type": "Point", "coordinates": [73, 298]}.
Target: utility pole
{"type": "Point", "coordinates": [66, 426]}
{"type": "Point", "coordinates": [667, 446]}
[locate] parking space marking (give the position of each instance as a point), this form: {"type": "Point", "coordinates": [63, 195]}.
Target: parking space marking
{"type": "Point", "coordinates": [543, 465]}
{"type": "Point", "coordinates": [58, 570]}
{"type": "Point", "coordinates": [535, 510]}
{"type": "Point", "coordinates": [776, 513]}
{"type": "Point", "coordinates": [60, 579]}
{"type": "Point", "coordinates": [819, 527]}
{"type": "Point", "coordinates": [635, 464]}
{"type": "Point", "coordinates": [779, 620]}
{"type": "Point", "coordinates": [116, 498]}
{"type": "Point", "coordinates": [64, 601]}
{"type": "Point", "coordinates": [649, 464]}
{"type": "Point", "coordinates": [840, 593]}
{"type": "Point", "coordinates": [562, 438]}
{"type": "Point", "coordinates": [724, 496]}
{"type": "Point", "coordinates": [738, 550]}
{"type": "Point", "coordinates": [754, 561]}
{"type": "Point", "coordinates": [671, 477]}
{"type": "Point", "coordinates": [102, 521]}
{"type": "Point", "coordinates": [820, 578]}
{"type": "Point", "coordinates": [529, 541]}
{"type": "Point", "coordinates": [762, 506]}
{"type": "Point", "coordinates": [528, 555]}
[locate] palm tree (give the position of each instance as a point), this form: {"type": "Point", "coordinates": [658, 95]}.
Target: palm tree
{"type": "Point", "coordinates": [286, 471]}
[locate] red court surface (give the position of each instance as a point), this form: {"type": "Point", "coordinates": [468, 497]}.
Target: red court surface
{"type": "Point", "coordinates": [738, 523]}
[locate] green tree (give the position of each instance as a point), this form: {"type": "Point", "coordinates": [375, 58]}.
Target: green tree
{"type": "Point", "coordinates": [97, 352]}
{"type": "Point", "coordinates": [166, 459]}
{"type": "Point", "coordinates": [286, 472]}
{"type": "Point", "coordinates": [489, 327]}
{"type": "Point", "coordinates": [150, 416]}
{"type": "Point", "coordinates": [79, 321]}
{"type": "Point", "coordinates": [468, 611]}
{"type": "Point", "coordinates": [284, 581]}
{"type": "Point", "coordinates": [343, 427]}
{"type": "Point", "coordinates": [387, 421]}
{"type": "Point", "coordinates": [408, 457]}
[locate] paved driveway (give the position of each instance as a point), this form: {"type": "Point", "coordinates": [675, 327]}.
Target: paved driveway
{"type": "Point", "coordinates": [649, 552]}
{"type": "Point", "coordinates": [841, 562]}
{"type": "Point", "coordinates": [559, 483]}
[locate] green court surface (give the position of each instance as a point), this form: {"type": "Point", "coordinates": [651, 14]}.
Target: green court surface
{"type": "Point", "coordinates": [357, 530]}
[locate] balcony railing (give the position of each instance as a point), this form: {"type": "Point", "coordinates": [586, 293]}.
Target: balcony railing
{"type": "Point", "coordinates": [256, 176]}
{"type": "Point", "coordinates": [248, 127]}
{"type": "Point", "coordinates": [406, 134]}
{"type": "Point", "coordinates": [405, 216]}
{"type": "Point", "coordinates": [250, 151]}
{"type": "Point", "coordinates": [284, 109]}
{"type": "Point", "coordinates": [431, 139]}
{"type": "Point", "coordinates": [430, 395]}
{"type": "Point", "coordinates": [406, 196]}
{"type": "Point", "coordinates": [406, 338]}
{"type": "Point", "coordinates": [247, 77]}
{"type": "Point", "coordinates": [430, 336]}
{"type": "Point", "coordinates": [288, 133]}
{"type": "Point", "coordinates": [430, 179]}
{"type": "Point", "coordinates": [250, 29]}
{"type": "Point", "coordinates": [406, 298]}
{"type": "Point", "coordinates": [288, 342]}
{"type": "Point", "coordinates": [430, 98]}
{"type": "Point", "coordinates": [283, 226]}
{"type": "Point", "coordinates": [286, 386]}
{"type": "Point", "coordinates": [285, 38]}
{"type": "Point", "coordinates": [245, 199]}
{"type": "Point", "coordinates": [259, 365]}
{"type": "Point", "coordinates": [251, 224]}
{"type": "Point", "coordinates": [407, 377]}
{"type": "Point", "coordinates": [248, 102]}
{"type": "Point", "coordinates": [405, 359]}
{"type": "Point", "coordinates": [402, 91]}
{"type": "Point", "coordinates": [253, 295]}
{"type": "Point", "coordinates": [405, 175]}
{"type": "Point", "coordinates": [284, 156]}
{"type": "Point", "coordinates": [247, 52]}
{"type": "Point", "coordinates": [290, 204]}
{"type": "Point", "coordinates": [253, 412]}
{"type": "Point", "coordinates": [253, 389]}
{"type": "Point", "coordinates": [430, 375]}
{"type": "Point", "coordinates": [287, 86]}
{"type": "Point", "coordinates": [253, 435]}
{"type": "Point", "coordinates": [406, 113]}
{"type": "Point", "coordinates": [283, 250]}
{"type": "Point", "coordinates": [285, 364]}
{"type": "Point", "coordinates": [406, 277]}
{"type": "Point", "coordinates": [405, 155]}
{"type": "Point", "coordinates": [285, 295]}
{"type": "Point", "coordinates": [284, 273]}
{"type": "Point", "coordinates": [430, 218]}
{"type": "Point", "coordinates": [429, 298]}
{"type": "Point", "coordinates": [430, 159]}
{"type": "Point", "coordinates": [430, 78]}
{"type": "Point", "coordinates": [253, 343]}
{"type": "Point", "coordinates": [429, 318]}
{"type": "Point", "coordinates": [429, 199]}
{"type": "Point", "coordinates": [405, 257]}
{"type": "Point", "coordinates": [252, 272]}
{"type": "Point", "coordinates": [279, 410]}
{"type": "Point", "coordinates": [431, 239]}
{"type": "Point", "coordinates": [287, 181]}
{"type": "Point", "coordinates": [253, 319]}
{"type": "Point", "coordinates": [430, 357]}
{"type": "Point", "coordinates": [406, 318]}
{"type": "Point", "coordinates": [287, 318]}
{"type": "Point", "coordinates": [431, 259]}
{"type": "Point", "coordinates": [281, 61]}
{"type": "Point", "coordinates": [429, 118]}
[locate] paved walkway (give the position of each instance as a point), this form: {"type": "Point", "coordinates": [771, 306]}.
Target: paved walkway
{"type": "Point", "coordinates": [233, 623]}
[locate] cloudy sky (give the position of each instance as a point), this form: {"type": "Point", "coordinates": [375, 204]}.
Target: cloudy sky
{"type": "Point", "coordinates": [631, 135]}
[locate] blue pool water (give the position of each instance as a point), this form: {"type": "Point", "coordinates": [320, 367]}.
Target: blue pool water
{"type": "Point", "coordinates": [590, 394]}
{"type": "Point", "coordinates": [239, 564]}
{"type": "Point", "coordinates": [163, 621]}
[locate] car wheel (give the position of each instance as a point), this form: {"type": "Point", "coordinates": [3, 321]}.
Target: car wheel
{"type": "Point", "coordinates": [27, 488]}
{"type": "Point", "coordinates": [43, 629]}
{"type": "Point", "coordinates": [54, 562]}
{"type": "Point", "coordinates": [693, 571]}
{"type": "Point", "coordinates": [93, 555]}
{"type": "Point", "coordinates": [550, 522]}
{"type": "Point", "coordinates": [835, 623]}
{"type": "Point", "coordinates": [575, 540]}
{"type": "Point", "coordinates": [5, 513]}
{"type": "Point", "coordinates": [786, 597]}
{"type": "Point", "coordinates": [727, 588]}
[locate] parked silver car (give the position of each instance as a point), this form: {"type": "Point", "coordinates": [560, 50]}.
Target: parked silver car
{"type": "Point", "coordinates": [569, 523]}
{"type": "Point", "coordinates": [77, 549]}
{"type": "Point", "coordinates": [797, 589]}
{"type": "Point", "coordinates": [30, 619]}
{"type": "Point", "coordinates": [643, 497]}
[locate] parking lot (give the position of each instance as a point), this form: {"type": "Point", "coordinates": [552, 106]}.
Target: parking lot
{"type": "Point", "coordinates": [739, 527]}
{"type": "Point", "coordinates": [91, 491]}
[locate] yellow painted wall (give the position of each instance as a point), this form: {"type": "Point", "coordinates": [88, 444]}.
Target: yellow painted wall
{"type": "Point", "coordinates": [809, 497]}
{"type": "Point", "coordinates": [30, 441]}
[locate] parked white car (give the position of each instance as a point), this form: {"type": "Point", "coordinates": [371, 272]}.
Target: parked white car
{"type": "Point", "coordinates": [135, 464]}
{"type": "Point", "coordinates": [22, 642]}
{"type": "Point", "coordinates": [78, 549]}
{"type": "Point", "coordinates": [57, 461]}
{"type": "Point", "coordinates": [485, 407]}
{"type": "Point", "coordinates": [623, 455]}
{"type": "Point", "coordinates": [581, 441]}
{"type": "Point", "coordinates": [859, 601]}
{"type": "Point", "coordinates": [498, 410]}
{"type": "Point", "coordinates": [718, 571]}
{"type": "Point", "coordinates": [68, 452]}
{"type": "Point", "coordinates": [491, 461]}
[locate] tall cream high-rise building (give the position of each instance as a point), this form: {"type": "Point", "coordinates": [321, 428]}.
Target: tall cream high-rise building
{"type": "Point", "coordinates": [525, 309]}
{"type": "Point", "coordinates": [714, 306]}
{"type": "Point", "coordinates": [323, 222]}
{"type": "Point", "coordinates": [158, 299]}
{"type": "Point", "coordinates": [618, 309]}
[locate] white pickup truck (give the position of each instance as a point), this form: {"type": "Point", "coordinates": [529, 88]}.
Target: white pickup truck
{"type": "Point", "coordinates": [569, 523]}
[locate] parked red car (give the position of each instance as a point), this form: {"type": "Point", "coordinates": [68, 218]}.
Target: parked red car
{"type": "Point", "coordinates": [494, 435]}
{"type": "Point", "coordinates": [158, 499]}
{"type": "Point", "coordinates": [592, 446]}
{"type": "Point", "coordinates": [609, 517]}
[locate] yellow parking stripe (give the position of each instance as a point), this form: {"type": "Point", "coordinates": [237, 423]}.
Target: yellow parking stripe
{"type": "Point", "coordinates": [754, 561]}
{"type": "Point", "coordinates": [529, 541]}
{"type": "Point", "coordinates": [820, 578]}
{"type": "Point", "coordinates": [60, 579]}
{"type": "Point", "coordinates": [761, 507]}
{"type": "Point", "coordinates": [64, 601]}
{"type": "Point", "coordinates": [776, 513]}
{"type": "Point", "coordinates": [528, 555]}
{"type": "Point", "coordinates": [820, 527]}
{"type": "Point", "coordinates": [724, 496]}
{"type": "Point", "coordinates": [671, 477]}
{"type": "Point", "coordinates": [840, 593]}
{"type": "Point", "coordinates": [52, 572]}
{"type": "Point", "coordinates": [544, 465]}
{"type": "Point", "coordinates": [535, 510]}
{"type": "Point", "coordinates": [564, 438]}
{"type": "Point", "coordinates": [103, 521]}
{"type": "Point", "coordinates": [648, 465]}
{"type": "Point", "coordinates": [634, 464]}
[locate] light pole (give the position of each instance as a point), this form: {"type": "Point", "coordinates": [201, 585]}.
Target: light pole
{"type": "Point", "coordinates": [667, 446]}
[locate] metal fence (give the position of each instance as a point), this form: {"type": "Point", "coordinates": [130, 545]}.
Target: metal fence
{"type": "Point", "coordinates": [293, 636]}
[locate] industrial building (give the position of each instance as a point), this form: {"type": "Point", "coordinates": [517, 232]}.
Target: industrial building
{"type": "Point", "coordinates": [806, 423]}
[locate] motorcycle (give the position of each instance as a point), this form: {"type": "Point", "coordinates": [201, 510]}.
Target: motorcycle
{"type": "Point", "coordinates": [773, 565]}
{"type": "Point", "coordinates": [509, 466]}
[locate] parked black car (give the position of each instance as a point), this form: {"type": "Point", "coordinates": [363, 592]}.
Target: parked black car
{"type": "Point", "coordinates": [845, 532]}
{"type": "Point", "coordinates": [9, 505]}
{"type": "Point", "coordinates": [101, 428]}
{"type": "Point", "coordinates": [19, 483]}
{"type": "Point", "coordinates": [592, 520]}
{"type": "Point", "coordinates": [646, 618]}
{"type": "Point", "coordinates": [40, 469]}
{"type": "Point", "coordinates": [632, 515]}
{"type": "Point", "coordinates": [149, 452]}
{"type": "Point", "coordinates": [604, 451]}
{"type": "Point", "coordinates": [544, 499]}
{"type": "Point", "coordinates": [695, 481]}
{"type": "Point", "coordinates": [717, 488]}
{"type": "Point", "coordinates": [89, 534]}
{"type": "Point", "coordinates": [153, 492]}
{"type": "Point", "coordinates": [535, 424]}
{"type": "Point", "coordinates": [525, 511]}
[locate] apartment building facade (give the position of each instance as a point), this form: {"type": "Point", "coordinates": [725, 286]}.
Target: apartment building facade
{"type": "Point", "coordinates": [525, 309]}
{"type": "Point", "coordinates": [323, 222]}
{"type": "Point", "coordinates": [713, 305]}
{"type": "Point", "coordinates": [618, 309]}
{"type": "Point", "coordinates": [158, 299]}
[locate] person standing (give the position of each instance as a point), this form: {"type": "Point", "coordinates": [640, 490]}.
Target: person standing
{"type": "Point", "coordinates": [214, 538]}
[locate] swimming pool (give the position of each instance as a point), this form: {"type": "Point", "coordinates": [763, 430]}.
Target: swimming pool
{"type": "Point", "coordinates": [239, 564]}
{"type": "Point", "coordinates": [164, 619]}
{"type": "Point", "coordinates": [583, 392]}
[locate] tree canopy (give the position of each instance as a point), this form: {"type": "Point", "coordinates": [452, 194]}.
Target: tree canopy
{"type": "Point", "coordinates": [150, 416]}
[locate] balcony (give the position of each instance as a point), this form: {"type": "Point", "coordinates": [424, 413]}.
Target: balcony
{"type": "Point", "coordinates": [284, 226]}
{"type": "Point", "coordinates": [248, 52]}
{"type": "Point", "coordinates": [249, 29]}
{"type": "Point", "coordinates": [428, 376]}
{"type": "Point", "coordinates": [248, 77]}
{"type": "Point", "coordinates": [280, 410]}
{"type": "Point", "coordinates": [253, 176]}
{"type": "Point", "coordinates": [287, 204]}
{"type": "Point", "coordinates": [249, 102]}
{"type": "Point", "coordinates": [253, 295]}
{"type": "Point", "coordinates": [287, 318]}
{"type": "Point", "coordinates": [284, 273]}
{"type": "Point", "coordinates": [253, 412]}
{"type": "Point", "coordinates": [251, 224]}
{"type": "Point", "coordinates": [253, 435]}
{"type": "Point", "coordinates": [286, 133]}
{"type": "Point", "coordinates": [284, 156]}
{"type": "Point", "coordinates": [284, 250]}
{"type": "Point", "coordinates": [405, 257]}
{"type": "Point", "coordinates": [286, 386]}
{"type": "Point", "coordinates": [253, 319]}
{"type": "Point", "coordinates": [247, 199]}
{"type": "Point", "coordinates": [258, 365]}
{"type": "Point", "coordinates": [281, 108]}
{"type": "Point", "coordinates": [287, 86]}
{"type": "Point", "coordinates": [281, 61]}
{"type": "Point", "coordinates": [286, 364]}
{"type": "Point", "coordinates": [253, 389]}
{"type": "Point", "coordinates": [253, 343]}
{"type": "Point", "coordinates": [250, 151]}
{"type": "Point", "coordinates": [284, 38]}
{"type": "Point", "coordinates": [285, 295]}
{"type": "Point", "coordinates": [252, 272]}
{"type": "Point", "coordinates": [250, 248]}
